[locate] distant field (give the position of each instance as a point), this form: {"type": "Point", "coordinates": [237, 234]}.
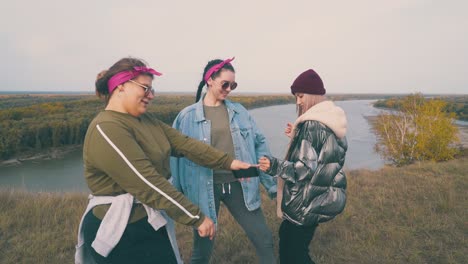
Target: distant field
{"type": "Point", "coordinates": [414, 214]}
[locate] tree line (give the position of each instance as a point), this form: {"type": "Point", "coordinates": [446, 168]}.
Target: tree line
{"type": "Point", "coordinates": [454, 104]}
{"type": "Point", "coordinates": [10, 101]}
{"type": "Point", "coordinates": [33, 123]}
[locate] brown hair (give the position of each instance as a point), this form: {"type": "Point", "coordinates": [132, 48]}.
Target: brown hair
{"type": "Point", "coordinates": [124, 64]}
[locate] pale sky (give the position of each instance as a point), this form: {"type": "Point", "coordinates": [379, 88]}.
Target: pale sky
{"type": "Point", "coordinates": [360, 46]}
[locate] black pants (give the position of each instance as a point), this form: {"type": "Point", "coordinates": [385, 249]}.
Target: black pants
{"type": "Point", "coordinates": [294, 243]}
{"type": "Point", "coordinates": [140, 243]}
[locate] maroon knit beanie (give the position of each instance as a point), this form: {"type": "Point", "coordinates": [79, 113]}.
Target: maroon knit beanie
{"type": "Point", "coordinates": [308, 82]}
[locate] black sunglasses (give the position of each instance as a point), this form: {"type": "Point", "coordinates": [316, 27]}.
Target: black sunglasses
{"type": "Point", "coordinates": [227, 84]}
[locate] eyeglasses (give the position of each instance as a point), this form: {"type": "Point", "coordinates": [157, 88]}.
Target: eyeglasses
{"type": "Point", "coordinates": [226, 84]}
{"type": "Point", "coordinates": [147, 89]}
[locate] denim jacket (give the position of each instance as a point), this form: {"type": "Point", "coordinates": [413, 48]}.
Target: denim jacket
{"type": "Point", "coordinates": [195, 181]}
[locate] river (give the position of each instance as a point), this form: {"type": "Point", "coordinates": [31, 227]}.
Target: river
{"type": "Point", "coordinates": [66, 174]}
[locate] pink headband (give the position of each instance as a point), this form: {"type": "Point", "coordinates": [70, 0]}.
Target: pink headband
{"type": "Point", "coordinates": [216, 68]}
{"type": "Point", "coordinates": [124, 76]}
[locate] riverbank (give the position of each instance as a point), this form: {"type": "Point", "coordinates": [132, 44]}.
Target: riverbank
{"type": "Point", "coordinates": [44, 154]}
{"type": "Point", "coordinates": [66, 174]}
{"type": "Point", "coordinates": [463, 135]}
{"type": "Point", "coordinates": [43, 126]}
{"type": "Point", "coordinates": [413, 214]}
{"type": "Point", "coordinates": [59, 152]}
{"type": "Point", "coordinates": [36, 124]}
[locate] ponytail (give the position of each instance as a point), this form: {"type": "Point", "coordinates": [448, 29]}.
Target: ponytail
{"type": "Point", "coordinates": [200, 88]}
{"type": "Point", "coordinates": [101, 85]}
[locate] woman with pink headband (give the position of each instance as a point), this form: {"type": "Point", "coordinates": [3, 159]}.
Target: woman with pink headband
{"type": "Point", "coordinates": [126, 165]}
{"type": "Point", "coordinates": [228, 127]}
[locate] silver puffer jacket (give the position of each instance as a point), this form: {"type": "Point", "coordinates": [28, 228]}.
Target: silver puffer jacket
{"type": "Point", "coordinates": [315, 184]}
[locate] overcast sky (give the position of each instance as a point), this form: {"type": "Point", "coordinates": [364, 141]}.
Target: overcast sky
{"type": "Point", "coordinates": [360, 46]}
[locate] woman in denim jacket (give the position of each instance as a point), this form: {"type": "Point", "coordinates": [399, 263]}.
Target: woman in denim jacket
{"type": "Point", "coordinates": [228, 127]}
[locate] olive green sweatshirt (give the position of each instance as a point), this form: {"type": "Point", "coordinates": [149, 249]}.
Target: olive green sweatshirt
{"type": "Point", "coordinates": [126, 154]}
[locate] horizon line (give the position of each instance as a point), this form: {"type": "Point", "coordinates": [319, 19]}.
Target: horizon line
{"type": "Point", "coordinates": [247, 92]}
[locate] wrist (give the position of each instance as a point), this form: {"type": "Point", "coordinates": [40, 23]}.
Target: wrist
{"type": "Point", "coordinates": [228, 163]}
{"type": "Point", "coordinates": [199, 222]}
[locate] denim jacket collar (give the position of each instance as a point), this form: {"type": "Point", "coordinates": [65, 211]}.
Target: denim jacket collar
{"type": "Point", "coordinates": [200, 114]}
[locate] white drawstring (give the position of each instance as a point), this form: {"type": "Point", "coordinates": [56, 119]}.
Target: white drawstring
{"type": "Point", "coordinates": [229, 188]}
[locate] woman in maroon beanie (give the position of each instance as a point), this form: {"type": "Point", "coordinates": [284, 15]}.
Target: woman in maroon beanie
{"type": "Point", "coordinates": [311, 182]}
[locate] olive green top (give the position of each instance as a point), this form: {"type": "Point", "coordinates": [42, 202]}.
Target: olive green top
{"type": "Point", "coordinates": [121, 152]}
{"type": "Point", "coordinates": [221, 138]}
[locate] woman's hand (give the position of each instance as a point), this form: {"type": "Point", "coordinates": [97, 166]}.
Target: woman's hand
{"type": "Point", "coordinates": [237, 165]}
{"type": "Point", "coordinates": [207, 228]}
{"type": "Point", "coordinates": [288, 130]}
{"type": "Point", "coordinates": [264, 164]}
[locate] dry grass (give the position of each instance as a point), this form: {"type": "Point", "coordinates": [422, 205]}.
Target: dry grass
{"type": "Point", "coordinates": [39, 227]}
{"type": "Point", "coordinates": [414, 214]}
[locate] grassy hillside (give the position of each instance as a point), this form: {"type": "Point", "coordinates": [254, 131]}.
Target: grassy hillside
{"type": "Point", "coordinates": [415, 214]}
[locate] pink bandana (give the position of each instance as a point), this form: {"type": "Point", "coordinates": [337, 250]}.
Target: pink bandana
{"type": "Point", "coordinates": [124, 76]}
{"type": "Point", "coordinates": [216, 68]}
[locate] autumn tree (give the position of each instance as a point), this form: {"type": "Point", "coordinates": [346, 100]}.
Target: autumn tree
{"type": "Point", "coordinates": [419, 130]}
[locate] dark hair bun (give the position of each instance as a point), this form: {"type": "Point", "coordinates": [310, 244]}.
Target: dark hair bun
{"type": "Point", "coordinates": [101, 74]}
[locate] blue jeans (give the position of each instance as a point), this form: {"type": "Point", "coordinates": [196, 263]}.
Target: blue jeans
{"type": "Point", "coordinates": [253, 223]}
